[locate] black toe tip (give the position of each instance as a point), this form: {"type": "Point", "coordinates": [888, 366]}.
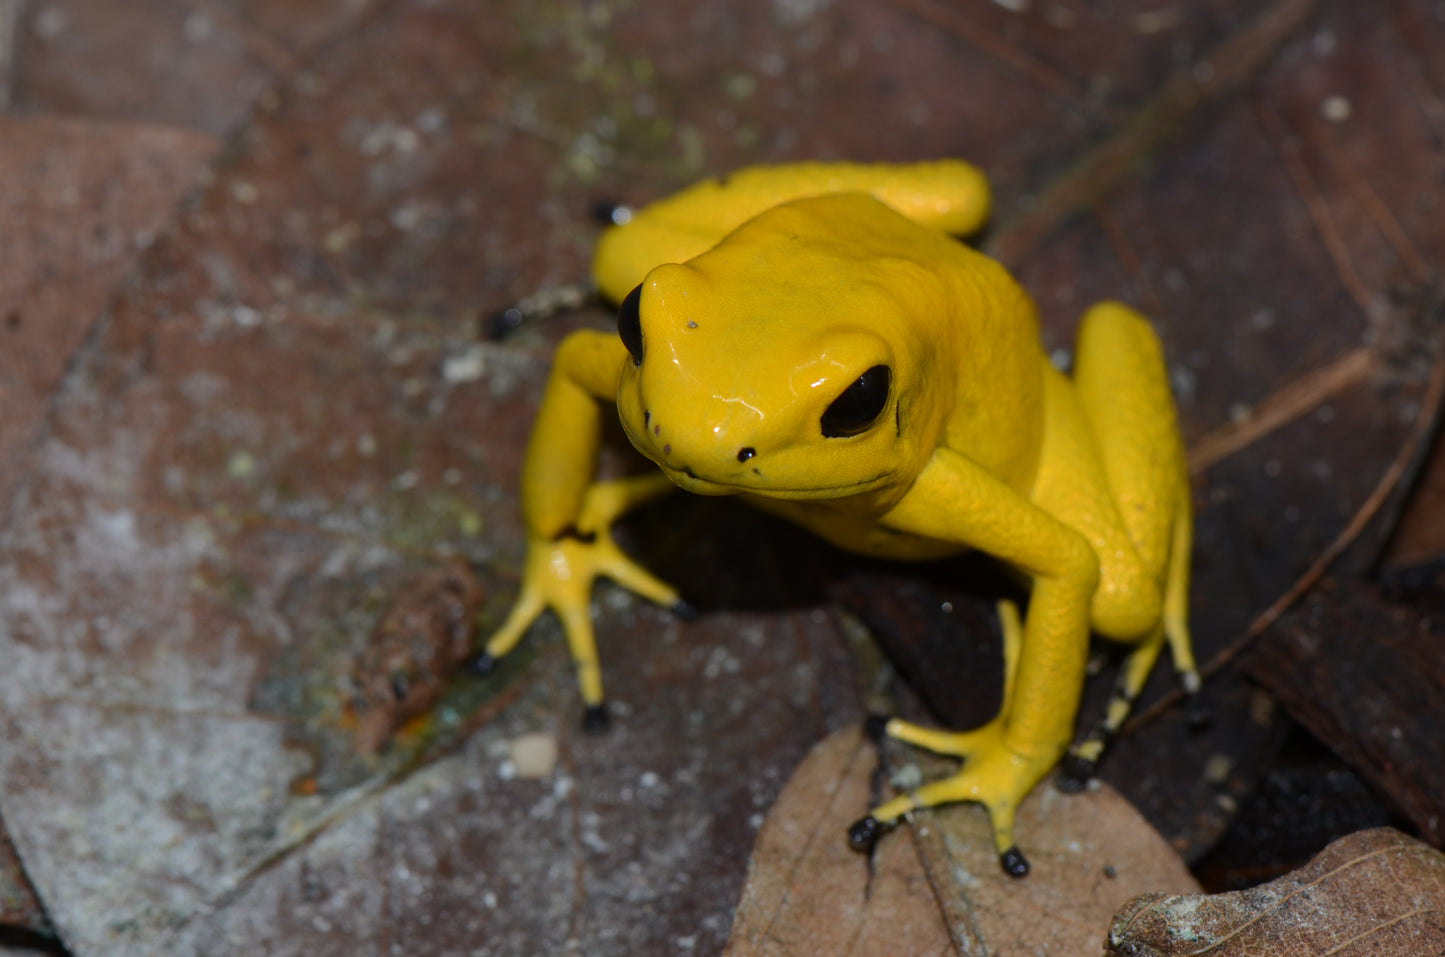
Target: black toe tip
{"type": "Point", "coordinates": [499, 325]}
{"type": "Point", "coordinates": [607, 212]}
{"type": "Point", "coordinates": [1014, 863]}
{"type": "Point", "coordinates": [1197, 719]}
{"type": "Point", "coordinates": [596, 719]}
{"type": "Point", "coordinates": [481, 664]}
{"type": "Point", "coordinates": [1074, 774]}
{"type": "Point", "coordinates": [875, 726]}
{"type": "Point", "coordinates": [684, 610]}
{"type": "Point", "coordinates": [864, 833]}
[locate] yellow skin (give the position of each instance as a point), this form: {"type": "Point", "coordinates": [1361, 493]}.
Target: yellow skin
{"type": "Point", "coordinates": [779, 289]}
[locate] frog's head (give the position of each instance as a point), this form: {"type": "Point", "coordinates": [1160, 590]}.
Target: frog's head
{"type": "Point", "coordinates": [786, 361]}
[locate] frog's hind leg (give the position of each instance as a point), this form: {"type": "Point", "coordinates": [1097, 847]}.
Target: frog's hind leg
{"type": "Point", "coordinates": [1078, 767]}
{"type": "Point", "coordinates": [1123, 389]}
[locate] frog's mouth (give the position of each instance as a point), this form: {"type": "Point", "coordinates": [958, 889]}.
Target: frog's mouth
{"type": "Point", "coordinates": [747, 479]}
{"type": "Point", "coordinates": [689, 481]}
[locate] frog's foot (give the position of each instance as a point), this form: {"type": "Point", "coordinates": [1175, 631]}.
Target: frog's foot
{"type": "Point", "coordinates": [994, 775]}
{"type": "Point", "coordinates": [596, 718]}
{"type": "Point", "coordinates": [559, 575]}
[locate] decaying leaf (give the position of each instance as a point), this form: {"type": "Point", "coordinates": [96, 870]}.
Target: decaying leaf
{"type": "Point", "coordinates": [414, 650]}
{"type": "Point", "coordinates": [808, 894]}
{"type": "Point", "coordinates": [1373, 892]}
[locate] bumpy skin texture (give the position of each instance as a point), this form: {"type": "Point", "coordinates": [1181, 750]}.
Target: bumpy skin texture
{"type": "Point", "coordinates": [810, 338]}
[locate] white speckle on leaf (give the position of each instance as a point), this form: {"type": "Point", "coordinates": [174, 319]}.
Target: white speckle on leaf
{"type": "Point", "coordinates": [1336, 109]}
{"type": "Point", "coordinates": [198, 27]}
{"type": "Point", "coordinates": [796, 11]}
{"type": "Point", "coordinates": [1151, 22]}
{"type": "Point", "coordinates": [51, 23]}
{"type": "Point", "coordinates": [341, 237]}
{"type": "Point", "coordinates": [244, 192]}
{"type": "Point", "coordinates": [467, 366]}
{"type": "Point", "coordinates": [406, 140]}
{"type": "Point", "coordinates": [534, 755]}
{"type": "Point", "coordinates": [406, 216]}
{"type": "Point", "coordinates": [242, 464]}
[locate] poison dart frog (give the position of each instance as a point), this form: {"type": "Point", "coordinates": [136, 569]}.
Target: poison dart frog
{"type": "Point", "coordinates": [813, 339]}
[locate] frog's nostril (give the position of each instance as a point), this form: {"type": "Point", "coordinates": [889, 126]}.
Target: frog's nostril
{"type": "Point", "coordinates": [646, 418]}
{"type": "Point", "coordinates": [746, 453]}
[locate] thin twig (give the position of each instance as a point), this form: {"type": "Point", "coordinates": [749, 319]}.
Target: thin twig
{"type": "Point", "coordinates": [1227, 68]}
{"type": "Point", "coordinates": [1282, 407]}
{"type": "Point", "coordinates": [953, 21]}
{"type": "Point", "coordinates": [1287, 145]}
{"type": "Point", "coordinates": [1379, 213]}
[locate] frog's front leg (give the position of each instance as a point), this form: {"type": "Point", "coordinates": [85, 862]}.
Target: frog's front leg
{"type": "Point", "coordinates": [569, 516]}
{"type": "Point", "coordinates": [956, 500]}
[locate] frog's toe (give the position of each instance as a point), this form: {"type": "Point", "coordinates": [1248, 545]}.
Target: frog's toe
{"type": "Point", "coordinates": [482, 663]}
{"type": "Point", "coordinates": [596, 719]}
{"type": "Point", "coordinates": [1196, 716]}
{"type": "Point", "coordinates": [684, 610]}
{"type": "Point", "coordinates": [875, 727]}
{"type": "Point", "coordinates": [1014, 863]}
{"type": "Point", "coordinates": [958, 744]}
{"type": "Point", "coordinates": [865, 832]}
{"type": "Point", "coordinates": [1075, 773]}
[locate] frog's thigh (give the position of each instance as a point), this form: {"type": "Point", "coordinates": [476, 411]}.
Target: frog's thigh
{"type": "Point", "coordinates": [1073, 487]}
{"type": "Point", "coordinates": [1123, 391]}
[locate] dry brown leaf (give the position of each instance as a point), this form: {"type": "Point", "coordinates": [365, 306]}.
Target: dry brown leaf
{"type": "Point", "coordinates": [808, 894]}
{"type": "Point", "coordinates": [1374, 892]}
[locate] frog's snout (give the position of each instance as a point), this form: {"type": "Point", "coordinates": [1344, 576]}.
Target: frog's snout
{"type": "Point", "coordinates": [701, 455]}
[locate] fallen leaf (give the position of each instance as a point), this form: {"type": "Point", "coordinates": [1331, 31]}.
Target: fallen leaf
{"type": "Point", "coordinates": [942, 890]}
{"type": "Point", "coordinates": [808, 893]}
{"type": "Point", "coordinates": [1373, 892]}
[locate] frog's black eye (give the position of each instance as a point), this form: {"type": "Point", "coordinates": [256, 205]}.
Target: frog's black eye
{"type": "Point", "coordinates": [859, 406]}
{"type": "Point", "coordinates": [629, 324]}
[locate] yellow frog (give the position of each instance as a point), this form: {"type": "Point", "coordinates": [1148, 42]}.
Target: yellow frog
{"type": "Point", "coordinates": [811, 338]}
